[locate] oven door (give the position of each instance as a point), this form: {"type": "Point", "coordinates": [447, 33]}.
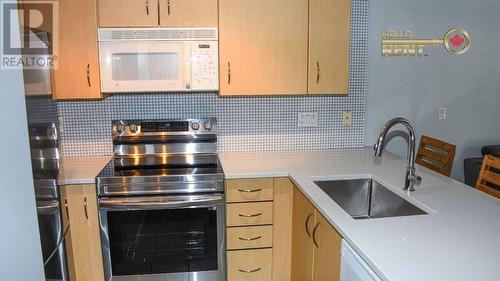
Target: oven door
{"type": "Point", "coordinates": [174, 238]}
{"type": "Point", "coordinates": [145, 66]}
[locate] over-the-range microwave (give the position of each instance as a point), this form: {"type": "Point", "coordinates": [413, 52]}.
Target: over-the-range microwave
{"type": "Point", "coordinates": [158, 59]}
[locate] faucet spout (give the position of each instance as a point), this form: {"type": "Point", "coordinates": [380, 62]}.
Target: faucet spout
{"type": "Point", "coordinates": [411, 178]}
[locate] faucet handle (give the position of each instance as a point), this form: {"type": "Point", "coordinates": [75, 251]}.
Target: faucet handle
{"type": "Point", "coordinates": [418, 179]}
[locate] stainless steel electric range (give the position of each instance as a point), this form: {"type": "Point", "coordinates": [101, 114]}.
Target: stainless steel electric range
{"type": "Point", "coordinates": [161, 201]}
{"type": "Point", "coordinates": [45, 162]}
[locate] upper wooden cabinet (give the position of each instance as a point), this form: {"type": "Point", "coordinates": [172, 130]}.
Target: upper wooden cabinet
{"type": "Point", "coordinates": [329, 29]}
{"type": "Point", "coordinates": [152, 13]}
{"type": "Point", "coordinates": [123, 13]}
{"type": "Point", "coordinates": [77, 74]}
{"type": "Point", "coordinates": [316, 245]}
{"type": "Point", "coordinates": [188, 13]}
{"type": "Point", "coordinates": [263, 47]}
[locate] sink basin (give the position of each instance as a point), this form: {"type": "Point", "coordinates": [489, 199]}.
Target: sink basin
{"type": "Point", "coordinates": [367, 199]}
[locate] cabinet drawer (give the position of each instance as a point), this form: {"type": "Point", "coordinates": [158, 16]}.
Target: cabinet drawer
{"type": "Point", "coordinates": [249, 190]}
{"type": "Point", "coordinates": [249, 237]}
{"type": "Point", "coordinates": [249, 265]}
{"type": "Point", "coordinates": [242, 214]}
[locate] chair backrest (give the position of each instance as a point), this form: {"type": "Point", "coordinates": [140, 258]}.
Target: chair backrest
{"type": "Point", "coordinates": [489, 177]}
{"type": "Point", "coordinates": [436, 155]}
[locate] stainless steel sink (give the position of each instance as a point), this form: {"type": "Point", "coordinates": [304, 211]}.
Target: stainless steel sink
{"type": "Point", "coordinates": [367, 199]}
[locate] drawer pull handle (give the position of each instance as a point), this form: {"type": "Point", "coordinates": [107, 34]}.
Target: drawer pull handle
{"type": "Point", "coordinates": [250, 190]}
{"type": "Point", "coordinates": [318, 72]}
{"type": "Point", "coordinates": [249, 271]}
{"type": "Point", "coordinates": [85, 207]}
{"type": "Point", "coordinates": [250, 239]}
{"type": "Point", "coordinates": [307, 225]}
{"type": "Point", "coordinates": [88, 75]}
{"type": "Point", "coordinates": [66, 206]}
{"type": "Point", "coordinates": [314, 235]}
{"type": "Point", "coordinates": [250, 216]}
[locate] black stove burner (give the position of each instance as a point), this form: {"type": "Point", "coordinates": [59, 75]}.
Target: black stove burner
{"type": "Point", "coordinates": [113, 169]}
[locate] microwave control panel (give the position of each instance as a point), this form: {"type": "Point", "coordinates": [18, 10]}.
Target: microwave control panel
{"type": "Point", "coordinates": [205, 65]}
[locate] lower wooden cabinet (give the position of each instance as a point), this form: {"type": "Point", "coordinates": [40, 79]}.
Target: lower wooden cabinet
{"type": "Point", "coordinates": [250, 265]}
{"type": "Point", "coordinates": [83, 241]}
{"type": "Point", "coordinates": [302, 244]}
{"type": "Point", "coordinates": [259, 229]}
{"type": "Point", "coordinates": [316, 245]}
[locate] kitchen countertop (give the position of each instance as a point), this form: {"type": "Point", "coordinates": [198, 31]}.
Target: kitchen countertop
{"type": "Point", "coordinates": [457, 240]}
{"type": "Point", "coordinates": [81, 169]}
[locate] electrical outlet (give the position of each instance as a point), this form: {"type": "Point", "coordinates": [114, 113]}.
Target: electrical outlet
{"type": "Point", "coordinates": [442, 113]}
{"type": "Point", "coordinates": [347, 118]}
{"type": "Point", "coordinates": [307, 119]}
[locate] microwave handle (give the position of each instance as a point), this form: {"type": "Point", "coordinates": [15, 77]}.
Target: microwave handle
{"type": "Point", "coordinates": [187, 64]}
{"type": "Point", "coordinates": [156, 203]}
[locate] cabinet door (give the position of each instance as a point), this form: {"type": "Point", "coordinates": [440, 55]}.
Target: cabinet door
{"type": "Point", "coordinates": [188, 13]}
{"type": "Point", "coordinates": [329, 27]}
{"type": "Point", "coordinates": [263, 47]}
{"type": "Point", "coordinates": [77, 74]}
{"type": "Point", "coordinates": [67, 239]}
{"type": "Point", "coordinates": [85, 242]}
{"type": "Point", "coordinates": [327, 243]}
{"type": "Point", "coordinates": [302, 244]}
{"type": "Point", "coordinates": [128, 13]}
{"type": "Point", "coordinates": [282, 229]}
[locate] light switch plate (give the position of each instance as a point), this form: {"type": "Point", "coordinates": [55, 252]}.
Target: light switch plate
{"type": "Point", "coordinates": [442, 113]}
{"type": "Point", "coordinates": [307, 119]}
{"type": "Point", "coordinates": [347, 118]}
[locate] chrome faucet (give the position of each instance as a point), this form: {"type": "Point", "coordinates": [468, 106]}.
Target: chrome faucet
{"type": "Point", "coordinates": [411, 178]}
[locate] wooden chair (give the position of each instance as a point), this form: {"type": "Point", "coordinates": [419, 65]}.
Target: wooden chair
{"type": "Point", "coordinates": [436, 155]}
{"type": "Point", "coordinates": [489, 177]}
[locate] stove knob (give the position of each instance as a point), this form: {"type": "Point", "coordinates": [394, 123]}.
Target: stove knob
{"type": "Point", "coordinates": [195, 126]}
{"type": "Point", "coordinates": [120, 128]}
{"type": "Point", "coordinates": [133, 128]}
{"type": "Point", "coordinates": [207, 126]}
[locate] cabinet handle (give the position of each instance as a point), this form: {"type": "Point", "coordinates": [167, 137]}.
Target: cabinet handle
{"type": "Point", "coordinates": [250, 239]}
{"type": "Point", "coordinates": [228, 73]}
{"type": "Point", "coordinates": [147, 7]}
{"type": "Point", "coordinates": [307, 225]}
{"type": "Point", "coordinates": [249, 271]}
{"type": "Point", "coordinates": [250, 190]}
{"type": "Point", "coordinates": [168, 7]}
{"type": "Point", "coordinates": [250, 216]}
{"type": "Point", "coordinates": [318, 71]}
{"type": "Point", "coordinates": [85, 207]}
{"type": "Point", "coordinates": [66, 207]}
{"type": "Point", "coordinates": [88, 75]}
{"type": "Point", "coordinates": [314, 235]}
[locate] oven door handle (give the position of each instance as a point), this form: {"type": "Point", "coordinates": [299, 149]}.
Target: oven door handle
{"type": "Point", "coordinates": [159, 202]}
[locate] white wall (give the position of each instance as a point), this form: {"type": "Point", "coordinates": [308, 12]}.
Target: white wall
{"type": "Point", "coordinates": [468, 85]}
{"type": "Point", "coordinates": [20, 254]}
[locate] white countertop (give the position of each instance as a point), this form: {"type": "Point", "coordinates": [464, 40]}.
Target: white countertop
{"type": "Point", "coordinates": [458, 240]}
{"type": "Point", "coordinates": [81, 169]}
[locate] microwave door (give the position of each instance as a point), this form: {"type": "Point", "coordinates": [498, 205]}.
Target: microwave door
{"type": "Point", "coordinates": [144, 66]}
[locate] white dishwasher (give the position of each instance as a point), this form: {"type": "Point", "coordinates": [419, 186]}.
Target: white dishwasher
{"type": "Point", "coordinates": [353, 267]}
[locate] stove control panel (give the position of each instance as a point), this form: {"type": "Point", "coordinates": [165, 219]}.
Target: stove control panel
{"type": "Point", "coordinates": [124, 128]}
{"type": "Point", "coordinates": [164, 126]}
